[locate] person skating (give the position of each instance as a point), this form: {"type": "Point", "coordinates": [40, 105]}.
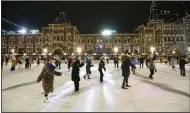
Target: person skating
{"type": "Point", "coordinates": [27, 62]}
{"type": "Point", "coordinates": [116, 62]}
{"type": "Point", "coordinates": [75, 72]}
{"type": "Point", "coordinates": [88, 66]}
{"type": "Point", "coordinates": [38, 61]}
{"type": "Point", "coordinates": [107, 60]}
{"type": "Point", "coordinates": [147, 61]}
{"type": "Point", "coordinates": [47, 78]}
{"type": "Point", "coordinates": [182, 63]}
{"type": "Point", "coordinates": [141, 62]}
{"type": "Point", "coordinates": [133, 61]}
{"type": "Point", "coordinates": [125, 67]}
{"type": "Point", "coordinates": [152, 68]}
{"type": "Point", "coordinates": [169, 60]}
{"type": "Point", "coordinates": [173, 62]}
{"type": "Point", "coordinates": [2, 61]}
{"type": "Point", "coordinates": [13, 64]}
{"type": "Point", "coordinates": [6, 59]}
{"type": "Point", "coordinates": [59, 63]}
{"type": "Point", "coordinates": [30, 62]}
{"type": "Point", "coordinates": [101, 66]}
{"type": "Point", "coordinates": [20, 63]}
{"type": "Point", "coordinates": [69, 63]}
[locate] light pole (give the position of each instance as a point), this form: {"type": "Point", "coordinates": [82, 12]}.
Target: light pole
{"type": "Point", "coordinates": [45, 52]}
{"type": "Point", "coordinates": [152, 49]}
{"type": "Point", "coordinates": [115, 50]}
{"type": "Point", "coordinates": [79, 50]}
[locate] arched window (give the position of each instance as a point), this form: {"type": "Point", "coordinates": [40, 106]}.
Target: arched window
{"type": "Point", "coordinates": [181, 38]}
{"type": "Point", "coordinates": [169, 39]}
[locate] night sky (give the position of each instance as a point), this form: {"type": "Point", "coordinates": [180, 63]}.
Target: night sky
{"type": "Point", "coordinates": [88, 17]}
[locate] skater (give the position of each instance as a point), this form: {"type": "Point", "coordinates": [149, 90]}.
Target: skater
{"type": "Point", "coordinates": [101, 66]}
{"type": "Point", "coordinates": [169, 60]}
{"type": "Point", "coordinates": [2, 62]}
{"type": "Point", "coordinates": [182, 63]}
{"type": "Point", "coordinates": [30, 62]}
{"type": "Point", "coordinates": [47, 78]}
{"type": "Point", "coordinates": [141, 62]}
{"type": "Point", "coordinates": [152, 69]}
{"type": "Point", "coordinates": [116, 62]}
{"type": "Point", "coordinates": [6, 59]}
{"type": "Point", "coordinates": [69, 62]}
{"type": "Point", "coordinates": [88, 66]}
{"type": "Point", "coordinates": [59, 63]}
{"type": "Point", "coordinates": [27, 62]}
{"type": "Point", "coordinates": [20, 63]}
{"type": "Point", "coordinates": [107, 60]}
{"type": "Point", "coordinates": [75, 72]}
{"type": "Point", "coordinates": [133, 61]}
{"type": "Point", "coordinates": [147, 61]}
{"type": "Point", "coordinates": [13, 64]}
{"type": "Point", "coordinates": [38, 61]}
{"type": "Point", "coordinates": [173, 62]}
{"type": "Point", "coordinates": [125, 67]}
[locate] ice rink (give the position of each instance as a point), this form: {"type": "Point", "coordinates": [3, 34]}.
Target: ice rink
{"type": "Point", "coordinates": [168, 91]}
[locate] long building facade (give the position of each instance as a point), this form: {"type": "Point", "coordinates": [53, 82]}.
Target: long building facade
{"type": "Point", "coordinates": [63, 38]}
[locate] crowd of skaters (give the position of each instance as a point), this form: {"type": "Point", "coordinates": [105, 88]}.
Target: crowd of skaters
{"type": "Point", "coordinates": [75, 63]}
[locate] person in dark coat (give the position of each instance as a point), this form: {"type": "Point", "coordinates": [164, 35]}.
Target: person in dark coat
{"type": "Point", "coordinates": [182, 63]}
{"type": "Point", "coordinates": [125, 67]}
{"type": "Point", "coordinates": [27, 62]}
{"type": "Point", "coordinates": [75, 72]}
{"type": "Point", "coordinates": [38, 61]}
{"type": "Point", "coordinates": [69, 62]}
{"type": "Point", "coordinates": [6, 59]}
{"type": "Point", "coordinates": [152, 68]}
{"type": "Point", "coordinates": [2, 61]}
{"type": "Point", "coordinates": [107, 60]}
{"type": "Point", "coordinates": [169, 59]}
{"type": "Point", "coordinates": [88, 66]}
{"type": "Point", "coordinates": [101, 66]}
{"type": "Point", "coordinates": [141, 62]}
{"type": "Point", "coordinates": [47, 78]}
{"type": "Point", "coordinates": [116, 62]}
{"type": "Point", "coordinates": [147, 61]}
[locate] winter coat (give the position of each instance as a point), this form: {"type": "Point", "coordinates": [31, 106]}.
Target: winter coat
{"type": "Point", "coordinates": [152, 65]}
{"type": "Point", "coordinates": [75, 70]}
{"type": "Point", "coordinates": [88, 66]}
{"type": "Point", "coordinates": [182, 62]}
{"type": "Point", "coordinates": [47, 78]}
{"type": "Point", "coordinates": [125, 67]}
{"type": "Point", "coordinates": [173, 61]}
{"type": "Point", "coordinates": [13, 62]}
{"type": "Point", "coordinates": [38, 60]}
{"type": "Point", "coordinates": [141, 60]}
{"type": "Point", "coordinates": [133, 62]}
{"type": "Point", "coordinates": [101, 66]}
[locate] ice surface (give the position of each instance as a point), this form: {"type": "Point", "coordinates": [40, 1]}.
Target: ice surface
{"type": "Point", "coordinates": [169, 91]}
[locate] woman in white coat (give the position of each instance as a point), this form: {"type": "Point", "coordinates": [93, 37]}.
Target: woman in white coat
{"type": "Point", "coordinates": [173, 62]}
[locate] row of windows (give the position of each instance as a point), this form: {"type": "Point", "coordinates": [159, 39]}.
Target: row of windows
{"type": "Point", "coordinates": [176, 28]}
{"type": "Point", "coordinates": [173, 39]}
{"type": "Point", "coordinates": [107, 41]}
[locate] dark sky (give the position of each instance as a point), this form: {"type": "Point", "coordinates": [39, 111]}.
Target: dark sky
{"type": "Point", "coordinates": [88, 17]}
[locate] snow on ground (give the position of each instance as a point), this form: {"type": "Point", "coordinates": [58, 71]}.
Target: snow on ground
{"type": "Point", "coordinates": [169, 91]}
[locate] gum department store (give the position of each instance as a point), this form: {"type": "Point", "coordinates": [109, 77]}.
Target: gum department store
{"type": "Point", "coordinates": [61, 36]}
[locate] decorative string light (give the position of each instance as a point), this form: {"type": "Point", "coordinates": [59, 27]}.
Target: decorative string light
{"type": "Point", "coordinates": [8, 21]}
{"type": "Point", "coordinates": [31, 30]}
